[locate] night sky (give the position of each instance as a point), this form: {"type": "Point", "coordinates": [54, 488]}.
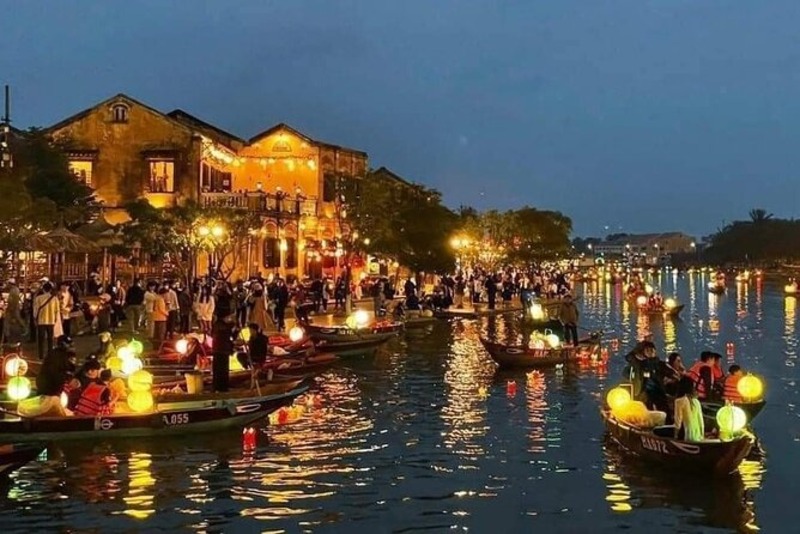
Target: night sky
{"type": "Point", "coordinates": [640, 115]}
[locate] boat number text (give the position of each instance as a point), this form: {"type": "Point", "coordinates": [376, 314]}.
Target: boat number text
{"type": "Point", "coordinates": [175, 419]}
{"type": "Point", "coordinates": [654, 445]}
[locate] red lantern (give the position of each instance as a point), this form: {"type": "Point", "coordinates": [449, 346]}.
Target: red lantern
{"type": "Point", "coordinates": [511, 388]}
{"type": "Point", "coordinates": [249, 439]}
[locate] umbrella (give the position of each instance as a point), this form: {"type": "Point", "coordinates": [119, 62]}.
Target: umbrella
{"type": "Point", "coordinates": [61, 240]}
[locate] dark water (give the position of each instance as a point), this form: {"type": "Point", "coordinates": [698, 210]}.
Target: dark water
{"type": "Point", "coordinates": [403, 442]}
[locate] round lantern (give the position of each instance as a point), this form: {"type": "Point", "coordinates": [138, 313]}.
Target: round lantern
{"type": "Point", "coordinates": [125, 352]}
{"type": "Point", "coordinates": [537, 312]}
{"type": "Point", "coordinates": [114, 363]}
{"type": "Point", "coordinates": [553, 341]}
{"type": "Point", "coordinates": [296, 334]}
{"type": "Point", "coordinates": [618, 397]}
{"type": "Point", "coordinates": [140, 380]}
{"type": "Point", "coordinates": [731, 419]}
{"type": "Point", "coordinates": [648, 289]}
{"type": "Point", "coordinates": [641, 301]}
{"type": "Point", "coordinates": [361, 318]}
{"type": "Point", "coordinates": [137, 346]}
{"type": "Point", "coordinates": [64, 399]}
{"type": "Point", "coordinates": [670, 304]}
{"type": "Point", "coordinates": [19, 388]}
{"type": "Point", "coordinates": [16, 366]}
{"type": "Point", "coordinates": [131, 365]}
{"type": "Point", "coordinates": [182, 346]}
{"type": "Point", "coordinates": [244, 334]}
{"type": "Point", "coordinates": [750, 387]}
{"type": "Point", "coordinates": [140, 401]}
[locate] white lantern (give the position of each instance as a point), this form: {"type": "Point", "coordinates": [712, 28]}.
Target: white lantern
{"type": "Point", "coordinates": [182, 346]}
{"type": "Point", "coordinates": [362, 318]}
{"type": "Point", "coordinates": [131, 365]}
{"type": "Point", "coordinates": [553, 341]}
{"type": "Point", "coordinates": [296, 334]}
{"type": "Point", "coordinates": [16, 366]}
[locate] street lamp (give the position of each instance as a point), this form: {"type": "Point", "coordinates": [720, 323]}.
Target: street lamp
{"type": "Point", "coordinates": [212, 235]}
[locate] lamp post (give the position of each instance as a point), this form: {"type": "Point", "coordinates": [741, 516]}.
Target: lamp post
{"type": "Point", "coordinates": [212, 235]}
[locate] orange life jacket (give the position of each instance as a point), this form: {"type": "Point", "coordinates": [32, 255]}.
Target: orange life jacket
{"type": "Point", "coordinates": [700, 385]}
{"type": "Point", "coordinates": [91, 401]}
{"type": "Point", "coordinates": [716, 373]}
{"type": "Point", "coordinates": [730, 390]}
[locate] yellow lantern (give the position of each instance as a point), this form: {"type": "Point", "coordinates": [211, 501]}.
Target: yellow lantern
{"type": "Point", "coordinates": [538, 343]}
{"type": "Point", "coordinates": [182, 346]}
{"type": "Point", "coordinates": [140, 380]}
{"type": "Point", "coordinates": [125, 352]}
{"type": "Point", "coordinates": [648, 289]}
{"type": "Point", "coordinates": [641, 301]}
{"type": "Point", "coordinates": [114, 363]}
{"type": "Point", "coordinates": [296, 334]}
{"type": "Point", "coordinates": [16, 366]}
{"type": "Point", "coordinates": [790, 289]}
{"type": "Point", "coordinates": [131, 365]}
{"type": "Point", "coordinates": [244, 335]}
{"type": "Point", "coordinates": [618, 397]}
{"type": "Point", "coordinates": [750, 387]}
{"type": "Point", "coordinates": [731, 419]}
{"type": "Point", "coordinates": [537, 312]}
{"type": "Point", "coordinates": [670, 304]}
{"type": "Point", "coordinates": [19, 388]}
{"type": "Point", "coordinates": [234, 364]}
{"type": "Point", "coordinates": [140, 401]}
{"type": "Point", "coordinates": [553, 341]}
{"type": "Point", "coordinates": [137, 346]}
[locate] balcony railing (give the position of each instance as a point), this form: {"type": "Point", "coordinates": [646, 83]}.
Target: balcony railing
{"type": "Point", "coordinates": [266, 203]}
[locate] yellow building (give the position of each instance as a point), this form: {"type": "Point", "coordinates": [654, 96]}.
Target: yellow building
{"type": "Point", "coordinates": [128, 150]}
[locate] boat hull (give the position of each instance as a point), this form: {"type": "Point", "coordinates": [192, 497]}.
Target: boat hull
{"type": "Point", "coordinates": [710, 409]}
{"type": "Point", "coordinates": [508, 357]}
{"type": "Point", "coordinates": [344, 340]}
{"type": "Point", "coordinates": [191, 414]}
{"type": "Point", "coordinates": [713, 457]}
{"type": "Point", "coordinates": [15, 455]}
{"type": "Point", "coordinates": [671, 313]}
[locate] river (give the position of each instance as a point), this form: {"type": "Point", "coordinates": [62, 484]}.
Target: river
{"type": "Point", "coordinates": [403, 441]}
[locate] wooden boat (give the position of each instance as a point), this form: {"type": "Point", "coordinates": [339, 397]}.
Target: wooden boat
{"type": "Point", "coordinates": [717, 289]}
{"type": "Point", "coordinates": [180, 415]}
{"type": "Point", "coordinates": [341, 338]}
{"type": "Point", "coordinates": [418, 321]}
{"type": "Point", "coordinates": [711, 456]}
{"type": "Point", "coordinates": [711, 407]}
{"type": "Point", "coordinates": [15, 455]}
{"type": "Point", "coordinates": [526, 357]}
{"type": "Point", "coordinates": [663, 311]}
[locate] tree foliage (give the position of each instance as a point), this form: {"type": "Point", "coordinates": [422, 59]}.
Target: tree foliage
{"type": "Point", "coordinates": [763, 238]}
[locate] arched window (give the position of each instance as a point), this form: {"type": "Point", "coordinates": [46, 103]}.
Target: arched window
{"type": "Point", "coordinates": [119, 113]}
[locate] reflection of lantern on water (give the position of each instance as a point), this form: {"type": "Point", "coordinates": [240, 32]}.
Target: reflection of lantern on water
{"type": "Point", "coordinates": [641, 301]}
{"type": "Point", "coordinates": [713, 324]}
{"type": "Point", "coordinates": [511, 388]}
{"type": "Point", "coordinates": [619, 494]}
{"type": "Point", "coordinates": [140, 496]}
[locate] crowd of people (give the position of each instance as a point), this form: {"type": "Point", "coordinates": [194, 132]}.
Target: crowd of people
{"type": "Point", "coordinates": [670, 387]}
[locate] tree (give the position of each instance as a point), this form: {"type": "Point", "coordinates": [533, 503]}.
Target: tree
{"type": "Point", "coordinates": [758, 215]}
{"type": "Point", "coordinates": [762, 238]}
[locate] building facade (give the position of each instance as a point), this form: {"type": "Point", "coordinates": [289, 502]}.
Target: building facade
{"type": "Point", "coordinates": [127, 150]}
{"type": "Point", "coordinates": [650, 248]}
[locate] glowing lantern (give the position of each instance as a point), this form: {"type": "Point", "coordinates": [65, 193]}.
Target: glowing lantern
{"type": "Point", "coordinates": [538, 343]}
{"type": "Point", "coordinates": [244, 335]}
{"type": "Point", "coordinates": [125, 352]}
{"type": "Point", "coordinates": [731, 419]}
{"type": "Point", "coordinates": [64, 399]}
{"type": "Point", "coordinates": [114, 363]}
{"type": "Point", "coordinates": [750, 387]}
{"type": "Point", "coordinates": [537, 312]}
{"type": "Point", "coordinates": [182, 346]}
{"type": "Point", "coordinates": [617, 398]}
{"type": "Point", "coordinates": [553, 341]}
{"type": "Point", "coordinates": [131, 365]}
{"type": "Point", "coordinates": [140, 401]}
{"type": "Point", "coordinates": [19, 388]}
{"type": "Point", "coordinates": [234, 364]}
{"type": "Point", "coordinates": [16, 366]}
{"type": "Point", "coordinates": [670, 304]}
{"type": "Point", "coordinates": [362, 318]}
{"type": "Point", "coordinates": [296, 334]}
{"type": "Point", "coordinates": [790, 289]}
{"type": "Point", "coordinates": [140, 380]}
{"type": "Point", "coordinates": [648, 289]}
{"type": "Point", "coordinates": [641, 301]}
{"type": "Point", "coordinates": [137, 346]}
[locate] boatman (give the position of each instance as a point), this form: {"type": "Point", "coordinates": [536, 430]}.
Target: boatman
{"type": "Point", "coordinates": [568, 315]}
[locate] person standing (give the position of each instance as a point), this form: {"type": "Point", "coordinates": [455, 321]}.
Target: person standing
{"type": "Point", "coordinates": [46, 310]}
{"type": "Point", "coordinates": [13, 326]}
{"type": "Point", "coordinates": [491, 291]}
{"type": "Point", "coordinates": [160, 315]}
{"type": "Point", "coordinates": [150, 297]}
{"type": "Point", "coordinates": [204, 308]}
{"type": "Point", "coordinates": [568, 315]}
{"type": "Point", "coordinates": [281, 302]}
{"type": "Point", "coordinates": [185, 310]}
{"type": "Point", "coordinates": [66, 302]}
{"type": "Point", "coordinates": [257, 303]}
{"type": "Point", "coordinates": [173, 308]}
{"type": "Point", "coordinates": [134, 300]}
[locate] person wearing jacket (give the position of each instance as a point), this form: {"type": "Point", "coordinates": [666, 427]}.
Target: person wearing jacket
{"type": "Point", "coordinates": [46, 312]}
{"type": "Point", "coordinates": [160, 315]}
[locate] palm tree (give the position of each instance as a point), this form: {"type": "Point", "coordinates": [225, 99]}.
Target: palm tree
{"type": "Point", "coordinates": [758, 215]}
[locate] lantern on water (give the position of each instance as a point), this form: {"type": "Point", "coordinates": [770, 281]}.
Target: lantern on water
{"type": "Point", "coordinates": [537, 312]}
{"type": "Point", "coordinates": [641, 300]}
{"type": "Point", "coordinates": [750, 387]}
{"type": "Point", "coordinates": [137, 346]}
{"type": "Point", "coordinates": [182, 346]}
{"type": "Point", "coordinates": [618, 397]}
{"type": "Point", "coordinates": [553, 341]}
{"type": "Point", "coordinates": [140, 380]}
{"type": "Point", "coordinates": [670, 303]}
{"type": "Point", "coordinates": [731, 419]}
{"type": "Point", "coordinates": [140, 401]}
{"type": "Point", "coordinates": [131, 365]}
{"type": "Point", "coordinates": [16, 366]}
{"type": "Point", "coordinates": [114, 363]}
{"type": "Point", "coordinates": [296, 334]}
{"type": "Point", "coordinates": [18, 388]}
{"type": "Point", "coordinates": [125, 352]}
{"type": "Point", "coordinates": [362, 318]}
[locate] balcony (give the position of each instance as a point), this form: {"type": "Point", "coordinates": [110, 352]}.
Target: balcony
{"type": "Point", "coordinates": [269, 204]}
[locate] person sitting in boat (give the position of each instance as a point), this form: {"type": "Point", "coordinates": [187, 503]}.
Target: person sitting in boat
{"type": "Point", "coordinates": [688, 414]}
{"type": "Point", "coordinates": [96, 398]}
{"type": "Point", "coordinates": [730, 384]}
{"type": "Point", "coordinates": [673, 371]}
{"type": "Point", "coordinates": [702, 375]}
{"type": "Point", "coordinates": [54, 375]}
{"type": "Point", "coordinates": [257, 348]}
{"type": "Point", "coordinates": [717, 375]}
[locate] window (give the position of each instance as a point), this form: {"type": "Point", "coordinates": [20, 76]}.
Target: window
{"type": "Point", "coordinates": [162, 175]}
{"type": "Point", "coordinates": [214, 180]}
{"type": "Point", "coordinates": [82, 169]}
{"type": "Point", "coordinates": [272, 252]}
{"type": "Point", "coordinates": [329, 188]}
{"type": "Point", "coordinates": [290, 256]}
{"type": "Point", "coordinates": [119, 113]}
